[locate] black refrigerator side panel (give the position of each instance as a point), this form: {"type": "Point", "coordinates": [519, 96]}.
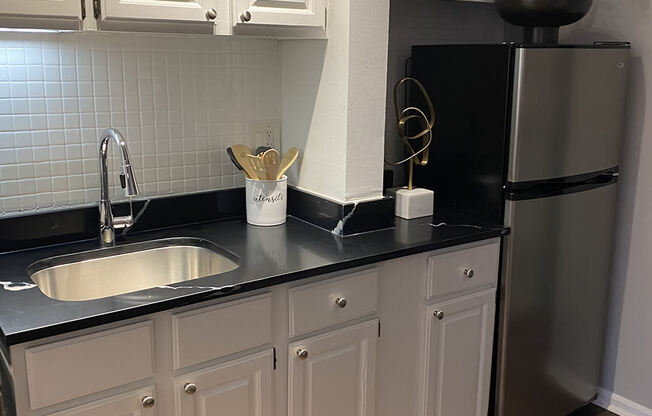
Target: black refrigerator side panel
{"type": "Point", "coordinates": [470, 87]}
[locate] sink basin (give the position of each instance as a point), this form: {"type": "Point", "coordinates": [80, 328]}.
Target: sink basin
{"type": "Point", "coordinates": [124, 269]}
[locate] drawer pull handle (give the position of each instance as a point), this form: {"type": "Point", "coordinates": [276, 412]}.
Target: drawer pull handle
{"type": "Point", "coordinates": [148, 401]}
{"type": "Point", "coordinates": [302, 354]}
{"type": "Point", "coordinates": [439, 315]}
{"type": "Point", "coordinates": [190, 388]}
{"type": "Point", "coordinates": [469, 273]}
{"type": "Point", "coordinates": [341, 302]}
{"type": "Point", "coordinates": [245, 17]}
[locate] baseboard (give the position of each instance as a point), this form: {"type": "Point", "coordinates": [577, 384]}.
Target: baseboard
{"type": "Point", "coordinates": [620, 405]}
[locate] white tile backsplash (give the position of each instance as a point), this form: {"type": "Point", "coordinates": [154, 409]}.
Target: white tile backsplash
{"type": "Point", "coordinates": [178, 100]}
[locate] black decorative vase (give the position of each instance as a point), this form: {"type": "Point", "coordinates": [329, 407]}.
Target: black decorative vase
{"type": "Point", "coordinates": [541, 19]}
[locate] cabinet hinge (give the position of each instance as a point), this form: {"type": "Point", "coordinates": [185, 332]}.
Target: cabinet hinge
{"type": "Point", "coordinates": [274, 358]}
{"type": "Point", "coordinates": [83, 6]}
{"type": "Point", "coordinates": [379, 328]}
{"type": "Point", "coordinates": [97, 8]}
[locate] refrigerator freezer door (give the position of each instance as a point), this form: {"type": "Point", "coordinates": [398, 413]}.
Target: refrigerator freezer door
{"type": "Point", "coordinates": [568, 106]}
{"type": "Point", "coordinates": [553, 302]}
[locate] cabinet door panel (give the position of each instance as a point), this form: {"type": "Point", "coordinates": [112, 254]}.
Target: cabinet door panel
{"type": "Point", "coordinates": [41, 8]}
{"type": "Point", "coordinates": [155, 10]}
{"type": "Point", "coordinates": [337, 375]}
{"type": "Point", "coordinates": [311, 13]}
{"type": "Point", "coordinates": [458, 362]}
{"type": "Point", "coordinates": [129, 404]}
{"type": "Point", "coordinates": [237, 388]}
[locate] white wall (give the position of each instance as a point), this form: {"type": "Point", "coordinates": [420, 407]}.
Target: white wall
{"type": "Point", "coordinates": [628, 362]}
{"type": "Point", "coordinates": [179, 101]}
{"type": "Point", "coordinates": [333, 103]}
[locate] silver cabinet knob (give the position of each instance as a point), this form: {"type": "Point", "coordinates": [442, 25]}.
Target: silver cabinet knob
{"type": "Point", "coordinates": [341, 302]}
{"type": "Point", "coordinates": [245, 17]}
{"type": "Point", "coordinates": [469, 273]}
{"type": "Point", "coordinates": [211, 14]}
{"type": "Point", "coordinates": [439, 315]}
{"type": "Point", "coordinates": [148, 401]}
{"type": "Point", "coordinates": [302, 354]}
{"type": "Point", "coordinates": [190, 388]}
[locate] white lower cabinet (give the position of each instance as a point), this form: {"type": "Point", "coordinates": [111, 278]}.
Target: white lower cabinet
{"type": "Point", "coordinates": [459, 340]}
{"type": "Point", "coordinates": [334, 373]}
{"type": "Point", "coordinates": [137, 403]}
{"type": "Point", "coordinates": [239, 388]}
{"type": "Point", "coordinates": [386, 340]}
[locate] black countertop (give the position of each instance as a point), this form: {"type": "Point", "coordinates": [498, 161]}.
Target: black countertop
{"type": "Point", "coordinates": [268, 256]}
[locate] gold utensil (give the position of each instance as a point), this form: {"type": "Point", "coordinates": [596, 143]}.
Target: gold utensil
{"type": "Point", "coordinates": [240, 152]}
{"type": "Point", "coordinates": [271, 160]}
{"type": "Point", "coordinates": [256, 163]}
{"type": "Point", "coordinates": [288, 159]}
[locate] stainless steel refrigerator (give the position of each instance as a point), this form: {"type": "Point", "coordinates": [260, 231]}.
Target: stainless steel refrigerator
{"type": "Point", "coordinates": [530, 136]}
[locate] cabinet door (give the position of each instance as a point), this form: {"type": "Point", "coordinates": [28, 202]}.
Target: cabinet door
{"type": "Point", "coordinates": [334, 373]}
{"type": "Point", "coordinates": [309, 13]}
{"type": "Point", "coordinates": [459, 341]}
{"type": "Point", "coordinates": [157, 10]}
{"type": "Point", "coordinates": [41, 8]}
{"type": "Point", "coordinates": [239, 388]}
{"type": "Point", "coordinates": [137, 403]}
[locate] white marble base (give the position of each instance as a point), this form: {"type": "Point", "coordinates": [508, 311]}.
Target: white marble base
{"type": "Point", "coordinates": [416, 203]}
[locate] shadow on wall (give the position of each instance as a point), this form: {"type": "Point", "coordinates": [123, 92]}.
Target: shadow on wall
{"type": "Point", "coordinates": [423, 22]}
{"type": "Point", "coordinates": [301, 82]}
{"type": "Point", "coordinates": [628, 183]}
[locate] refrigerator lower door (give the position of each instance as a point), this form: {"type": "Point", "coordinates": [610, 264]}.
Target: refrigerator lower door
{"type": "Point", "coordinates": [555, 278]}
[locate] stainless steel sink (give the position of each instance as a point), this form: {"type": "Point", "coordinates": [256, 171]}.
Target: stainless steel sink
{"type": "Point", "coordinates": [124, 269]}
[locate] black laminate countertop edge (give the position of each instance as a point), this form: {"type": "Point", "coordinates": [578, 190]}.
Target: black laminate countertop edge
{"type": "Point", "coordinates": [268, 256]}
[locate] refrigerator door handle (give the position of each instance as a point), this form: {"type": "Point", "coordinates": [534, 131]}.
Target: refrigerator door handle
{"type": "Point", "coordinates": [562, 186]}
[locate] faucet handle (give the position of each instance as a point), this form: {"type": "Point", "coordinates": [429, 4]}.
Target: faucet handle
{"type": "Point", "coordinates": [123, 181]}
{"type": "Point", "coordinates": [123, 222]}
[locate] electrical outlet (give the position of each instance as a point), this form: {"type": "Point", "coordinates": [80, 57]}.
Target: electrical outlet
{"type": "Point", "coordinates": [263, 133]}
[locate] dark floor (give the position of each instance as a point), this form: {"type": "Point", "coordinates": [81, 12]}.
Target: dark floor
{"type": "Point", "coordinates": [593, 410]}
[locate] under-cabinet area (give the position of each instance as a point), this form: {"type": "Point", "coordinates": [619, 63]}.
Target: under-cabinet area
{"type": "Point", "coordinates": [408, 336]}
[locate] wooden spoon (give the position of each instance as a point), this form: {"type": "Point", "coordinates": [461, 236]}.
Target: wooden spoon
{"type": "Point", "coordinates": [240, 151]}
{"type": "Point", "coordinates": [256, 163]}
{"type": "Point", "coordinates": [287, 161]}
{"type": "Point", "coordinates": [271, 160]}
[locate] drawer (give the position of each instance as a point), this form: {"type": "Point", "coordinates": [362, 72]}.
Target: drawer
{"type": "Point", "coordinates": [208, 333]}
{"type": "Point", "coordinates": [80, 366]}
{"type": "Point", "coordinates": [128, 404]}
{"type": "Point", "coordinates": [463, 270]}
{"type": "Point", "coordinates": [323, 304]}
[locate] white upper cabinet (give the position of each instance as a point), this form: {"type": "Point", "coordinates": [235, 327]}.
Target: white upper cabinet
{"type": "Point", "coordinates": [180, 11]}
{"type": "Point", "coordinates": [47, 14]}
{"type": "Point", "coordinates": [297, 13]}
{"type": "Point", "coordinates": [42, 8]}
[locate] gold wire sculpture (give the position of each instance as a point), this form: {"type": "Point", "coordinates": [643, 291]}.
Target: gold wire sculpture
{"type": "Point", "coordinates": [419, 157]}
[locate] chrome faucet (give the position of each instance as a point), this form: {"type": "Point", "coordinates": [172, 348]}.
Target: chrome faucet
{"type": "Point", "coordinates": [109, 223]}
